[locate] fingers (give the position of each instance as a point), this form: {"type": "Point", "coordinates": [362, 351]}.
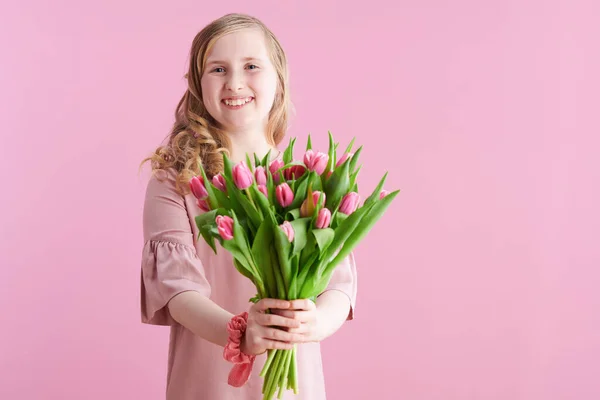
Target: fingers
{"type": "Point", "coordinates": [282, 336]}
{"type": "Point", "coordinates": [302, 304]}
{"type": "Point", "coordinates": [277, 320]}
{"type": "Point", "coordinates": [264, 304]}
{"type": "Point", "coordinates": [301, 316]}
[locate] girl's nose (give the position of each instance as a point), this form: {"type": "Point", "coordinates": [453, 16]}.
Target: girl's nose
{"type": "Point", "coordinates": [235, 82]}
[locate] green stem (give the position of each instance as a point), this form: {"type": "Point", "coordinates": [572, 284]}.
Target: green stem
{"type": "Point", "coordinates": [295, 370]}
{"type": "Point", "coordinates": [268, 362]}
{"type": "Point", "coordinates": [285, 372]}
{"type": "Point", "coordinates": [270, 379]}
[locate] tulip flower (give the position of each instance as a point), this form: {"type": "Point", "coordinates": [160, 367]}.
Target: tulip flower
{"type": "Point", "coordinates": [263, 190]}
{"type": "Point", "coordinates": [323, 218]}
{"type": "Point", "coordinates": [219, 181]}
{"type": "Point", "coordinates": [225, 226]}
{"type": "Point", "coordinates": [305, 210]}
{"type": "Point", "coordinates": [284, 194]}
{"type": "Point", "coordinates": [274, 167]}
{"type": "Point", "coordinates": [242, 176]}
{"type": "Point", "coordinates": [198, 188]}
{"type": "Point", "coordinates": [344, 158]}
{"type": "Point", "coordinates": [288, 229]}
{"type": "Point", "coordinates": [383, 193]}
{"type": "Point", "coordinates": [294, 172]}
{"type": "Point", "coordinates": [203, 205]}
{"type": "Point", "coordinates": [260, 175]}
{"type": "Point", "coordinates": [316, 161]}
{"type": "Point", "coordinates": [349, 203]}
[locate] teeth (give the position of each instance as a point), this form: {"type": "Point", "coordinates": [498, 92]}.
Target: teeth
{"type": "Point", "coordinates": [238, 102]}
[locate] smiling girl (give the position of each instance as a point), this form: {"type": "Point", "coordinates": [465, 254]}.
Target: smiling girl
{"type": "Point", "coordinates": [237, 102]}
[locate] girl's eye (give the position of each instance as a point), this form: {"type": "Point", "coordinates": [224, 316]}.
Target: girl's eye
{"type": "Point", "coordinates": [252, 65]}
{"type": "Point", "coordinates": [217, 69]}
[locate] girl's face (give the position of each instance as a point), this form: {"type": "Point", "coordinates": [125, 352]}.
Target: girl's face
{"type": "Point", "coordinates": [239, 82]}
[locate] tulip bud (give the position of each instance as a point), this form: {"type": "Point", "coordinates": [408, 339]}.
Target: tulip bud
{"type": "Point", "coordinates": [344, 158]}
{"type": "Point", "coordinates": [316, 161]}
{"type": "Point", "coordinates": [284, 194]}
{"type": "Point", "coordinates": [198, 188]}
{"type": "Point", "coordinates": [242, 176]}
{"type": "Point", "coordinates": [260, 175]}
{"type": "Point", "coordinates": [219, 181]}
{"type": "Point", "coordinates": [203, 205]}
{"type": "Point", "coordinates": [274, 167]}
{"type": "Point", "coordinates": [305, 210]}
{"type": "Point", "coordinates": [288, 229]}
{"type": "Point", "coordinates": [383, 193]}
{"type": "Point", "coordinates": [349, 203]}
{"type": "Point", "coordinates": [225, 226]}
{"type": "Point", "coordinates": [294, 172]}
{"type": "Point", "coordinates": [263, 190]}
{"type": "Point", "coordinates": [323, 218]}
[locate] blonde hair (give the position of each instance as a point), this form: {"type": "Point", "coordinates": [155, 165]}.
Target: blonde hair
{"type": "Point", "coordinates": [195, 137]}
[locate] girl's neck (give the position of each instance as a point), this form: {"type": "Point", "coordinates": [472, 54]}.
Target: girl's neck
{"type": "Point", "coordinates": [247, 143]}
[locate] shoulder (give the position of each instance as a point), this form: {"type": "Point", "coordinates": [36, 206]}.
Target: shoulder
{"type": "Point", "coordinates": [163, 181]}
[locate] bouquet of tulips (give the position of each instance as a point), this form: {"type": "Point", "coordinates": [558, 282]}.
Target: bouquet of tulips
{"type": "Point", "coordinates": [288, 223]}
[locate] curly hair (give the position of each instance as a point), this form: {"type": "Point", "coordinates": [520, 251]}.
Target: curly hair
{"type": "Point", "coordinates": [195, 137]}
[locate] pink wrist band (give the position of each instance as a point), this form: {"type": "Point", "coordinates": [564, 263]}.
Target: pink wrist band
{"type": "Point", "coordinates": [240, 373]}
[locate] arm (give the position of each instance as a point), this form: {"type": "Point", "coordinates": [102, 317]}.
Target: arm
{"type": "Point", "coordinates": [201, 315]}
{"type": "Point", "coordinates": [333, 308]}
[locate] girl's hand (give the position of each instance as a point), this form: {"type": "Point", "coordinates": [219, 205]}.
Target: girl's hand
{"type": "Point", "coordinates": [305, 312]}
{"type": "Point", "coordinates": [269, 331]}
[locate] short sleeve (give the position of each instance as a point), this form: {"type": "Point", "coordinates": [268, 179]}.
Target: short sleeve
{"type": "Point", "coordinates": [170, 264]}
{"type": "Point", "coordinates": [344, 279]}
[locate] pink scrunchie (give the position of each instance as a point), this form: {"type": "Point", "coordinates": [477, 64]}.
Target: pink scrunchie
{"type": "Point", "coordinates": [240, 373]}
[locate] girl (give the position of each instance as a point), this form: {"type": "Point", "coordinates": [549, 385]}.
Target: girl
{"type": "Point", "coordinates": [237, 102]}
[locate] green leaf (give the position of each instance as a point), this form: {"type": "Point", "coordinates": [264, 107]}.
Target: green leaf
{"type": "Point", "coordinates": [292, 214]}
{"type": "Point", "coordinates": [299, 193]}
{"type": "Point", "coordinates": [349, 148]}
{"type": "Point", "coordinates": [353, 176]}
{"type": "Point", "coordinates": [375, 195]}
{"type": "Point", "coordinates": [242, 205]}
{"type": "Point", "coordinates": [324, 237]}
{"type": "Point", "coordinates": [249, 163]}
{"type": "Point", "coordinates": [354, 158]}
{"type": "Point", "coordinates": [206, 232]}
{"type": "Point", "coordinates": [288, 154]}
{"type": "Point", "coordinates": [367, 222]}
{"type": "Point", "coordinates": [261, 250]}
{"type": "Point", "coordinates": [331, 153]}
{"type": "Point", "coordinates": [300, 226]}
{"type": "Point", "coordinates": [337, 186]}
{"type": "Point", "coordinates": [308, 143]}
{"type": "Point", "coordinates": [283, 246]}
{"type": "Point", "coordinates": [293, 290]}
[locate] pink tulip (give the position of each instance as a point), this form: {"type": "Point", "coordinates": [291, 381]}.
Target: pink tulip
{"type": "Point", "coordinates": [274, 167]}
{"type": "Point", "coordinates": [284, 194]}
{"type": "Point", "coordinates": [323, 218]}
{"type": "Point", "coordinates": [260, 175]}
{"type": "Point", "coordinates": [383, 193]}
{"type": "Point", "coordinates": [288, 229]}
{"type": "Point", "coordinates": [225, 226]}
{"type": "Point", "coordinates": [242, 176]}
{"type": "Point", "coordinates": [306, 211]}
{"type": "Point", "coordinates": [344, 158]}
{"type": "Point", "coordinates": [349, 203]}
{"type": "Point", "coordinates": [219, 181]}
{"type": "Point", "coordinates": [203, 204]}
{"type": "Point", "coordinates": [317, 195]}
{"type": "Point", "coordinates": [198, 188]}
{"type": "Point", "coordinates": [294, 172]}
{"type": "Point", "coordinates": [316, 161]}
{"type": "Point", "coordinates": [263, 190]}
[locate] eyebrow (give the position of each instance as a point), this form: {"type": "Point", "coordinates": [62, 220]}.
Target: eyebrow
{"type": "Point", "coordinates": [243, 59]}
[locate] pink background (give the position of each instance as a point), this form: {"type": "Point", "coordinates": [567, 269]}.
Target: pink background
{"type": "Point", "coordinates": [482, 281]}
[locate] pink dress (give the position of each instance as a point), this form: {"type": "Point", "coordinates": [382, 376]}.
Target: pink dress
{"type": "Point", "coordinates": [173, 261]}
